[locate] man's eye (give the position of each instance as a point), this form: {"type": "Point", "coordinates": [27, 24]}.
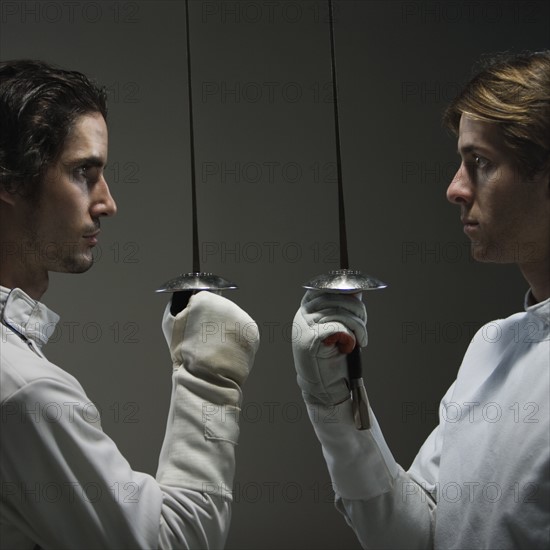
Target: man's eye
{"type": "Point", "coordinates": [88, 174]}
{"type": "Point", "coordinates": [481, 162]}
{"type": "Point", "coordinates": [81, 172]}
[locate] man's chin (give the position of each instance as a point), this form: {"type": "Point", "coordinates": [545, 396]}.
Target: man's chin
{"type": "Point", "coordinates": [479, 252]}
{"type": "Point", "coordinates": [492, 253]}
{"type": "Point", "coordinates": [79, 264]}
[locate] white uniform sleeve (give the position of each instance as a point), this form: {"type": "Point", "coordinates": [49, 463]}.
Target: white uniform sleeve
{"type": "Point", "coordinates": [386, 506]}
{"type": "Point", "coordinates": [66, 485]}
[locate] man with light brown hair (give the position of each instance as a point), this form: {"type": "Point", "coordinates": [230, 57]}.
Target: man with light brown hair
{"type": "Point", "coordinates": [481, 479]}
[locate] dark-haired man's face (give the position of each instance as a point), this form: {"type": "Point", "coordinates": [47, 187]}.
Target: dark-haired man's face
{"type": "Point", "coordinates": [63, 225]}
{"type": "Point", "coordinates": [505, 215]}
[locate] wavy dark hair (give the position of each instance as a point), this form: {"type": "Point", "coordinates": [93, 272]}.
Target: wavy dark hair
{"type": "Point", "coordinates": [39, 103]}
{"type": "Point", "coordinates": [512, 90]}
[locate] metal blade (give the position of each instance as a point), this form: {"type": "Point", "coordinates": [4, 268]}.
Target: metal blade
{"type": "Point", "coordinates": [345, 280]}
{"type": "Point", "coordinates": [196, 280]}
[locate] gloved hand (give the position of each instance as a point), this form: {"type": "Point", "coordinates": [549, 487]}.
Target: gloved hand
{"type": "Point", "coordinates": [327, 327]}
{"type": "Point", "coordinates": [212, 344]}
{"type": "Point", "coordinates": [215, 341]}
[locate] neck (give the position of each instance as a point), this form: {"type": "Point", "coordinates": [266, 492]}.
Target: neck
{"type": "Point", "coordinates": [537, 274]}
{"type": "Point", "coordinates": [17, 273]}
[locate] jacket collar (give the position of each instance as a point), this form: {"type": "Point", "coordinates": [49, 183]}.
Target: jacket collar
{"type": "Point", "coordinates": [540, 310]}
{"type": "Point", "coordinates": [29, 318]}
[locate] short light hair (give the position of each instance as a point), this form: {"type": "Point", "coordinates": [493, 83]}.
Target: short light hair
{"type": "Point", "coordinates": [512, 90]}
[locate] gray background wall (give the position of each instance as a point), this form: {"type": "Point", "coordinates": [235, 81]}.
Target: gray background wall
{"type": "Point", "coordinates": [263, 108]}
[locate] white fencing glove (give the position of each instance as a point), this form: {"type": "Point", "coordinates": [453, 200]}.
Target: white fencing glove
{"type": "Point", "coordinates": [327, 327]}
{"type": "Point", "coordinates": [212, 344]}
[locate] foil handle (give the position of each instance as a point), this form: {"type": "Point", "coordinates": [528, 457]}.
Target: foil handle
{"type": "Point", "coordinates": [359, 399]}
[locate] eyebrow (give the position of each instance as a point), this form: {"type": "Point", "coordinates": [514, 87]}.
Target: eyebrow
{"type": "Point", "coordinates": [92, 160]}
{"type": "Point", "coordinates": [470, 147]}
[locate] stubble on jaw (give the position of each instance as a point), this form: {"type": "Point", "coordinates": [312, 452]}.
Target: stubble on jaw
{"type": "Point", "coordinates": [60, 257]}
{"type": "Point", "coordinates": [517, 253]}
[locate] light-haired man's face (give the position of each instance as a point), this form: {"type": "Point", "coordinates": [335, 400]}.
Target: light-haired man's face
{"type": "Point", "coordinates": [63, 226]}
{"type": "Point", "coordinates": [506, 216]}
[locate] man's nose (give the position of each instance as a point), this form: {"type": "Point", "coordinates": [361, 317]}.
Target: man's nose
{"type": "Point", "coordinates": [103, 202]}
{"type": "Point", "coordinates": [460, 190]}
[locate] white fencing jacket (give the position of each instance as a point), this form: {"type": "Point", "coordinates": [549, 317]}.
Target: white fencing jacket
{"type": "Point", "coordinates": [64, 483]}
{"type": "Point", "coordinates": [482, 478]}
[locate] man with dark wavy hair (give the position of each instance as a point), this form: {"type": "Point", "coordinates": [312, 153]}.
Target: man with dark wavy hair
{"type": "Point", "coordinates": [63, 482]}
{"type": "Point", "coordinates": [481, 479]}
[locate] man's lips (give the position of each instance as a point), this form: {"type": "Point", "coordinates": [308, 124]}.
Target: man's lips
{"type": "Point", "coordinates": [469, 225]}
{"type": "Point", "coordinates": [92, 237]}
